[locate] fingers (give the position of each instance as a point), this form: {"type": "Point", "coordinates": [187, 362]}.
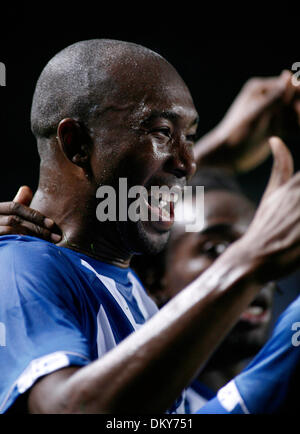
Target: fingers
{"type": "Point", "coordinates": [289, 88]}
{"type": "Point", "coordinates": [24, 195]}
{"type": "Point", "coordinates": [296, 106]}
{"type": "Point", "coordinates": [28, 214]}
{"type": "Point", "coordinates": [283, 165]}
{"type": "Point", "coordinates": [12, 225]}
{"type": "Point", "coordinates": [266, 91]}
{"type": "Point", "coordinates": [16, 218]}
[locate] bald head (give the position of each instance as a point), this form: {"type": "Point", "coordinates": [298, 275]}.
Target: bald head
{"type": "Point", "coordinates": [80, 80]}
{"type": "Point", "coordinates": [105, 110]}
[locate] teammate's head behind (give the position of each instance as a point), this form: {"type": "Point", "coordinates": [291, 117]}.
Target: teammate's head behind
{"type": "Point", "coordinates": [227, 215]}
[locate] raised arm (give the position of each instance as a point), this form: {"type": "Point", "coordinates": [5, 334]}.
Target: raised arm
{"type": "Point", "coordinates": [148, 370]}
{"type": "Point", "coordinates": [239, 141]}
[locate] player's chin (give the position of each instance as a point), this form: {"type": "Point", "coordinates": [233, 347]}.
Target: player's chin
{"type": "Point", "coordinates": [249, 340]}
{"type": "Point", "coordinates": [240, 345]}
{"type": "Point", "coordinates": [144, 237]}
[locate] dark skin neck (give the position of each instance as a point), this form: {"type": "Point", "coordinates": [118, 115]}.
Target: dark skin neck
{"type": "Point", "coordinates": [215, 378]}
{"type": "Point", "coordinates": [76, 218]}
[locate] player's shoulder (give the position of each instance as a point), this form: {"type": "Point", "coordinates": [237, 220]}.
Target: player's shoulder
{"type": "Point", "coordinates": [26, 247]}
{"type": "Point", "coordinates": [33, 268]}
{"type": "Point", "coordinates": [288, 318]}
{"type": "Point", "coordinates": [22, 254]}
{"type": "Point", "coordinates": [17, 242]}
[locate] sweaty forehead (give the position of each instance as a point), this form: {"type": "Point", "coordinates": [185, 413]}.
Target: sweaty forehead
{"type": "Point", "coordinates": [150, 83]}
{"type": "Point", "coordinates": [90, 78]}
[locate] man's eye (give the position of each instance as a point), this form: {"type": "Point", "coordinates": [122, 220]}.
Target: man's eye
{"type": "Point", "coordinates": [164, 131]}
{"type": "Point", "coordinates": [214, 249]}
{"type": "Point", "coordinates": [192, 138]}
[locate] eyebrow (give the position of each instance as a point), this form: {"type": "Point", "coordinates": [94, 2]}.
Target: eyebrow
{"type": "Point", "coordinates": [169, 115]}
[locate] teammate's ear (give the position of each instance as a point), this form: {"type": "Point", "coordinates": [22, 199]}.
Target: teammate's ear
{"type": "Point", "coordinates": [74, 142]}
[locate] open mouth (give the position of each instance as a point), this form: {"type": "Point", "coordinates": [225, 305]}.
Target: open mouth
{"type": "Point", "coordinates": [258, 312]}
{"type": "Point", "coordinates": [161, 205]}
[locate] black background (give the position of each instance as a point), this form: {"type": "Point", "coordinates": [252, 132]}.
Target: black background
{"type": "Point", "coordinates": [214, 57]}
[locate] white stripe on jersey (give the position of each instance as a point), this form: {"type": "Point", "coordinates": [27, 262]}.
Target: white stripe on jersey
{"type": "Point", "coordinates": [147, 307]}
{"type": "Point", "coordinates": [229, 397]}
{"type": "Point", "coordinates": [105, 338]}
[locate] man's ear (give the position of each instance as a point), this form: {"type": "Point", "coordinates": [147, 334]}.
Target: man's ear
{"type": "Point", "coordinates": [74, 142]}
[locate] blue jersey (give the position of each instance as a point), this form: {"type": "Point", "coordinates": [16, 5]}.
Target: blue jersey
{"type": "Point", "coordinates": [196, 396]}
{"type": "Point", "coordinates": [60, 308]}
{"type": "Point", "coordinates": [270, 383]}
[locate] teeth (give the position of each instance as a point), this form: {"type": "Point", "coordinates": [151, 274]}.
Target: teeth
{"type": "Point", "coordinates": [162, 203]}
{"type": "Point", "coordinates": [175, 197]}
{"type": "Point", "coordinates": [164, 195]}
{"type": "Point", "coordinates": [155, 194]}
{"type": "Point", "coordinates": [165, 215]}
{"type": "Point", "coordinates": [255, 310]}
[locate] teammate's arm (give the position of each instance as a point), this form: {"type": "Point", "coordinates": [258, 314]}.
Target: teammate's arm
{"type": "Point", "coordinates": [17, 218]}
{"type": "Point", "coordinates": [148, 370]}
{"type": "Point", "coordinates": [239, 141]}
{"type": "Point", "coordinates": [270, 383]}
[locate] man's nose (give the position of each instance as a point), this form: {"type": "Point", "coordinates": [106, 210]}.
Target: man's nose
{"type": "Point", "coordinates": [181, 162]}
